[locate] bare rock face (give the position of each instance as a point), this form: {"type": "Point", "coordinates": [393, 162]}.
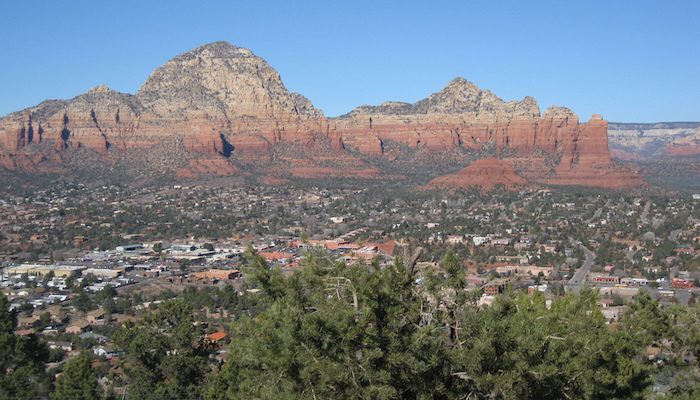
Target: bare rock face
{"type": "Point", "coordinates": [90, 120]}
{"type": "Point", "coordinates": [586, 160]}
{"type": "Point", "coordinates": [464, 116]}
{"type": "Point", "coordinates": [461, 115]}
{"type": "Point", "coordinates": [223, 80]}
{"type": "Point", "coordinates": [219, 97]}
{"type": "Point", "coordinates": [459, 97]}
{"type": "Point", "coordinates": [227, 103]}
{"type": "Point", "coordinates": [229, 90]}
{"type": "Point", "coordinates": [95, 118]}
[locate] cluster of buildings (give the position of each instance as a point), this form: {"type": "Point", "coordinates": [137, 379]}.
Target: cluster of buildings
{"type": "Point", "coordinates": [69, 242]}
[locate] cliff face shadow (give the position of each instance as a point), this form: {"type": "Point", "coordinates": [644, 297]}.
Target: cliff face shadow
{"type": "Point", "coordinates": [226, 147]}
{"type": "Point", "coordinates": [65, 134]}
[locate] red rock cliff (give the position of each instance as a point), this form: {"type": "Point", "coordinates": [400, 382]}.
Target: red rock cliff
{"type": "Point", "coordinates": [228, 103]}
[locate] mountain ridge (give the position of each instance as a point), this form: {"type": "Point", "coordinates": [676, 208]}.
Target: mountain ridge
{"type": "Point", "coordinates": [232, 110]}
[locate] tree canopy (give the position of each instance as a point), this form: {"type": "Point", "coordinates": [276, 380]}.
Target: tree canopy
{"type": "Point", "coordinates": [349, 332]}
{"type": "Point", "coordinates": [78, 380]}
{"type": "Point", "coordinates": [22, 359]}
{"type": "Point", "coordinates": [166, 354]}
{"type": "Point", "coordinates": [337, 331]}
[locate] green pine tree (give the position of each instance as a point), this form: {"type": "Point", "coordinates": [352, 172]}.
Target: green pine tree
{"type": "Point", "coordinates": [78, 380]}
{"type": "Point", "coordinates": [22, 358]}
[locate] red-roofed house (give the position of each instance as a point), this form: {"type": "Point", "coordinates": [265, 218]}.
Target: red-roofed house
{"type": "Point", "coordinates": [216, 336]}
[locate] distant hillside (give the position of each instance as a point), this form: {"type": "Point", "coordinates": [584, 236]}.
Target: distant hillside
{"type": "Point", "coordinates": [620, 126]}
{"type": "Point", "coordinates": [666, 154]}
{"type": "Point", "coordinates": [635, 141]}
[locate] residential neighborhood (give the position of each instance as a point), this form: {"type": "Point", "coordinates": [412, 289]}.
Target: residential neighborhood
{"type": "Point", "coordinates": [78, 261]}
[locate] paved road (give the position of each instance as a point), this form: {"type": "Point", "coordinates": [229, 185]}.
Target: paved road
{"type": "Point", "coordinates": [579, 277]}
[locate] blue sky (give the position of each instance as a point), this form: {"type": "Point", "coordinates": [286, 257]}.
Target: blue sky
{"type": "Point", "coordinates": [632, 61]}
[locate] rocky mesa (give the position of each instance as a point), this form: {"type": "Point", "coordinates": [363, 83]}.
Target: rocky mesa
{"type": "Point", "coordinates": [230, 108]}
{"type": "Point", "coordinates": [486, 173]}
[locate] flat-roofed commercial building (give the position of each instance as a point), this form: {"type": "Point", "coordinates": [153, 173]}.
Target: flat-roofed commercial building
{"type": "Point", "coordinates": [43, 269]}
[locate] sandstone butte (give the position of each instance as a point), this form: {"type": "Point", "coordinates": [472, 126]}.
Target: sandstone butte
{"type": "Point", "coordinates": [229, 105]}
{"type": "Point", "coordinates": [486, 173]}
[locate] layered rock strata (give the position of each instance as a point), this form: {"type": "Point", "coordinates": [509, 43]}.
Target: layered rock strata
{"type": "Point", "coordinates": [229, 104]}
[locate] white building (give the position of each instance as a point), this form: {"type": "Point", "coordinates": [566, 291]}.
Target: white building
{"type": "Point", "coordinates": [455, 239]}
{"type": "Point", "coordinates": [479, 240]}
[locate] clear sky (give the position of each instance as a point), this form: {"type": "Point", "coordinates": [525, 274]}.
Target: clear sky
{"type": "Point", "coordinates": [632, 61]}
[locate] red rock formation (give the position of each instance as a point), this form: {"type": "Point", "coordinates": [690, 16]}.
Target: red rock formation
{"type": "Point", "coordinates": [586, 160]}
{"type": "Point", "coordinates": [485, 173]}
{"type": "Point", "coordinates": [226, 102]}
{"type": "Point", "coordinates": [581, 149]}
{"type": "Point", "coordinates": [31, 162]}
{"type": "Point", "coordinates": [251, 147]}
{"type": "Point", "coordinates": [680, 150]}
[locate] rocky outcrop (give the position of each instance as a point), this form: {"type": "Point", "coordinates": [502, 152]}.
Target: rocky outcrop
{"type": "Point", "coordinates": [486, 173]}
{"type": "Point", "coordinates": [463, 116]}
{"type": "Point", "coordinates": [226, 103]}
{"type": "Point", "coordinates": [226, 89]}
{"type": "Point", "coordinates": [459, 97]}
{"type": "Point", "coordinates": [218, 96]}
